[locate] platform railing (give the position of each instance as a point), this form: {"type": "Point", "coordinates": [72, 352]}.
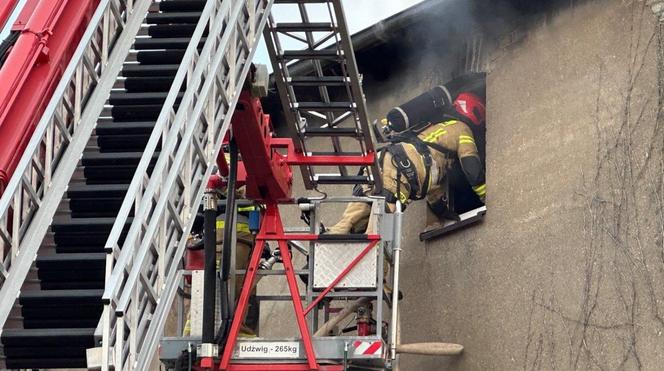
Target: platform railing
{"type": "Point", "coordinates": [31, 198]}
{"type": "Point", "coordinates": [142, 266]}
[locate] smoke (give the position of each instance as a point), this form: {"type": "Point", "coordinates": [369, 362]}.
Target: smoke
{"type": "Point", "coordinates": [365, 13]}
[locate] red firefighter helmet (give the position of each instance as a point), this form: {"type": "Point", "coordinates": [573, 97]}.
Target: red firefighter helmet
{"type": "Point", "coordinates": [471, 107]}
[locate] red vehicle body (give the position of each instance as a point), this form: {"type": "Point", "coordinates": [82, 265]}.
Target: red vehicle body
{"type": "Point", "coordinates": [49, 34]}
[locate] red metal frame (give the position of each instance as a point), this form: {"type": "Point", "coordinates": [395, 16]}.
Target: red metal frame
{"type": "Point", "coordinates": [271, 229]}
{"type": "Point", "coordinates": [283, 367]}
{"type": "Point", "coordinates": [269, 180]}
{"type": "Point", "coordinates": [297, 158]}
{"type": "Point", "coordinates": [50, 32]}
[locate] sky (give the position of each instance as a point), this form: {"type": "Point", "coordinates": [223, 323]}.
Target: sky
{"type": "Point", "coordinates": [360, 14]}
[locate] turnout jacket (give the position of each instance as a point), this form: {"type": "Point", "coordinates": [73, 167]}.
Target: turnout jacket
{"type": "Point", "coordinates": [446, 142]}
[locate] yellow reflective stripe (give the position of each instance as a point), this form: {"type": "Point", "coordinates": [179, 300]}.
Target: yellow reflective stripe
{"type": "Point", "coordinates": [448, 123]}
{"type": "Point", "coordinates": [480, 187]}
{"type": "Point", "coordinates": [432, 137]}
{"type": "Point", "coordinates": [402, 197]}
{"type": "Point", "coordinates": [246, 208]}
{"type": "Point", "coordinates": [241, 227]}
{"type": "Point", "coordinates": [186, 331]}
{"type": "Point", "coordinates": [480, 190]}
{"type": "Point", "coordinates": [466, 141]}
{"type": "Point", "coordinates": [466, 137]}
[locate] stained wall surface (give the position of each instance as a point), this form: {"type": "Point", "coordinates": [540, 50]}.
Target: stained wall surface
{"type": "Point", "coordinates": [566, 270]}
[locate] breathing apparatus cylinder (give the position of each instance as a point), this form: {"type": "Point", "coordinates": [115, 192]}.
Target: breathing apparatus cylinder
{"type": "Point", "coordinates": [431, 106]}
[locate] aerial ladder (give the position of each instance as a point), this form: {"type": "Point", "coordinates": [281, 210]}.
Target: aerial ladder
{"type": "Point", "coordinates": [96, 217]}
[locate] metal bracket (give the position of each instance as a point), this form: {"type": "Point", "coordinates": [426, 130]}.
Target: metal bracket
{"type": "Point", "coordinates": [207, 350]}
{"type": "Point", "coordinates": [467, 218]}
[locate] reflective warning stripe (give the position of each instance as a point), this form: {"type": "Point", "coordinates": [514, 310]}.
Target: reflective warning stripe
{"type": "Point", "coordinates": [187, 328]}
{"type": "Point", "coordinates": [466, 139]}
{"type": "Point", "coordinates": [432, 137]}
{"type": "Point", "coordinates": [480, 190]}
{"type": "Point", "coordinates": [365, 348]}
{"type": "Point", "coordinates": [246, 208]}
{"type": "Point", "coordinates": [448, 123]}
{"type": "Point", "coordinates": [402, 197]}
{"type": "Point", "coordinates": [241, 227]}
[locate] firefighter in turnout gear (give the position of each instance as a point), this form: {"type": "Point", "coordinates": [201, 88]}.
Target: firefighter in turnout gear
{"type": "Point", "coordinates": [417, 166]}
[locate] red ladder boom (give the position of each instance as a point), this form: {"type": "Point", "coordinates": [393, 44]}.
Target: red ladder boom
{"type": "Point", "coordinates": [49, 33]}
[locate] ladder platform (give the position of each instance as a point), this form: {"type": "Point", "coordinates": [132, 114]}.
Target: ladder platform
{"type": "Point", "coordinates": [141, 98]}
{"type": "Point", "coordinates": [148, 84]}
{"type": "Point", "coordinates": [151, 57]}
{"type": "Point", "coordinates": [72, 336]}
{"type": "Point", "coordinates": [173, 17]}
{"type": "Point", "coordinates": [116, 158]}
{"type": "Point", "coordinates": [74, 261]}
{"type": "Point", "coordinates": [60, 297]}
{"type": "Point", "coordinates": [182, 5]}
{"type": "Point", "coordinates": [131, 127]}
{"type": "Point", "coordinates": [47, 347]}
{"type": "Point", "coordinates": [164, 43]}
{"type": "Point", "coordinates": [85, 225]}
{"type": "Point", "coordinates": [172, 30]}
{"type": "Point", "coordinates": [143, 70]}
{"type": "Point", "coordinates": [97, 190]}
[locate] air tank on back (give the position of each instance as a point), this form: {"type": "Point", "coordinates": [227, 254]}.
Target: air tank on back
{"type": "Point", "coordinates": [431, 106]}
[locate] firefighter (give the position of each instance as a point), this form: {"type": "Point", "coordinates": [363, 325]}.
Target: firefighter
{"type": "Point", "coordinates": [416, 167]}
{"type": "Point", "coordinates": [243, 246]}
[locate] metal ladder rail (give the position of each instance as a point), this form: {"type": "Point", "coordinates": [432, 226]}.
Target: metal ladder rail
{"type": "Point", "coordinates": [140, 300]}
{"type": "Point", "coordinates": [32, 196]}
{"type": "Point", "coordinates": [287, 65]}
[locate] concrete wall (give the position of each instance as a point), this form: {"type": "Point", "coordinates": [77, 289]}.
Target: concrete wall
{"type": "Point", "coordinates": [566, 270]}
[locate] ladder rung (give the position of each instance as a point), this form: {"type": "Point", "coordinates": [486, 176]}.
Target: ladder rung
{"type": "Point", "coordinates": [318, 81]}
{"type": "Point", "coordinates": [301, 1]}
{"type": "Point", "coordinates": [304, 27]}
{"type": "Point", "coordinates": [342, 179]}
{"type": "Point", "coordinates": [311, 54]}
{"type": "Point", "coordinates": [322, 106]}
{"type": "Point", "coordinates": [331, 132]}
{"type": "Point", "coordinates": [323, 153]}
{"type": "Point", "coordinates": [173, 17]}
